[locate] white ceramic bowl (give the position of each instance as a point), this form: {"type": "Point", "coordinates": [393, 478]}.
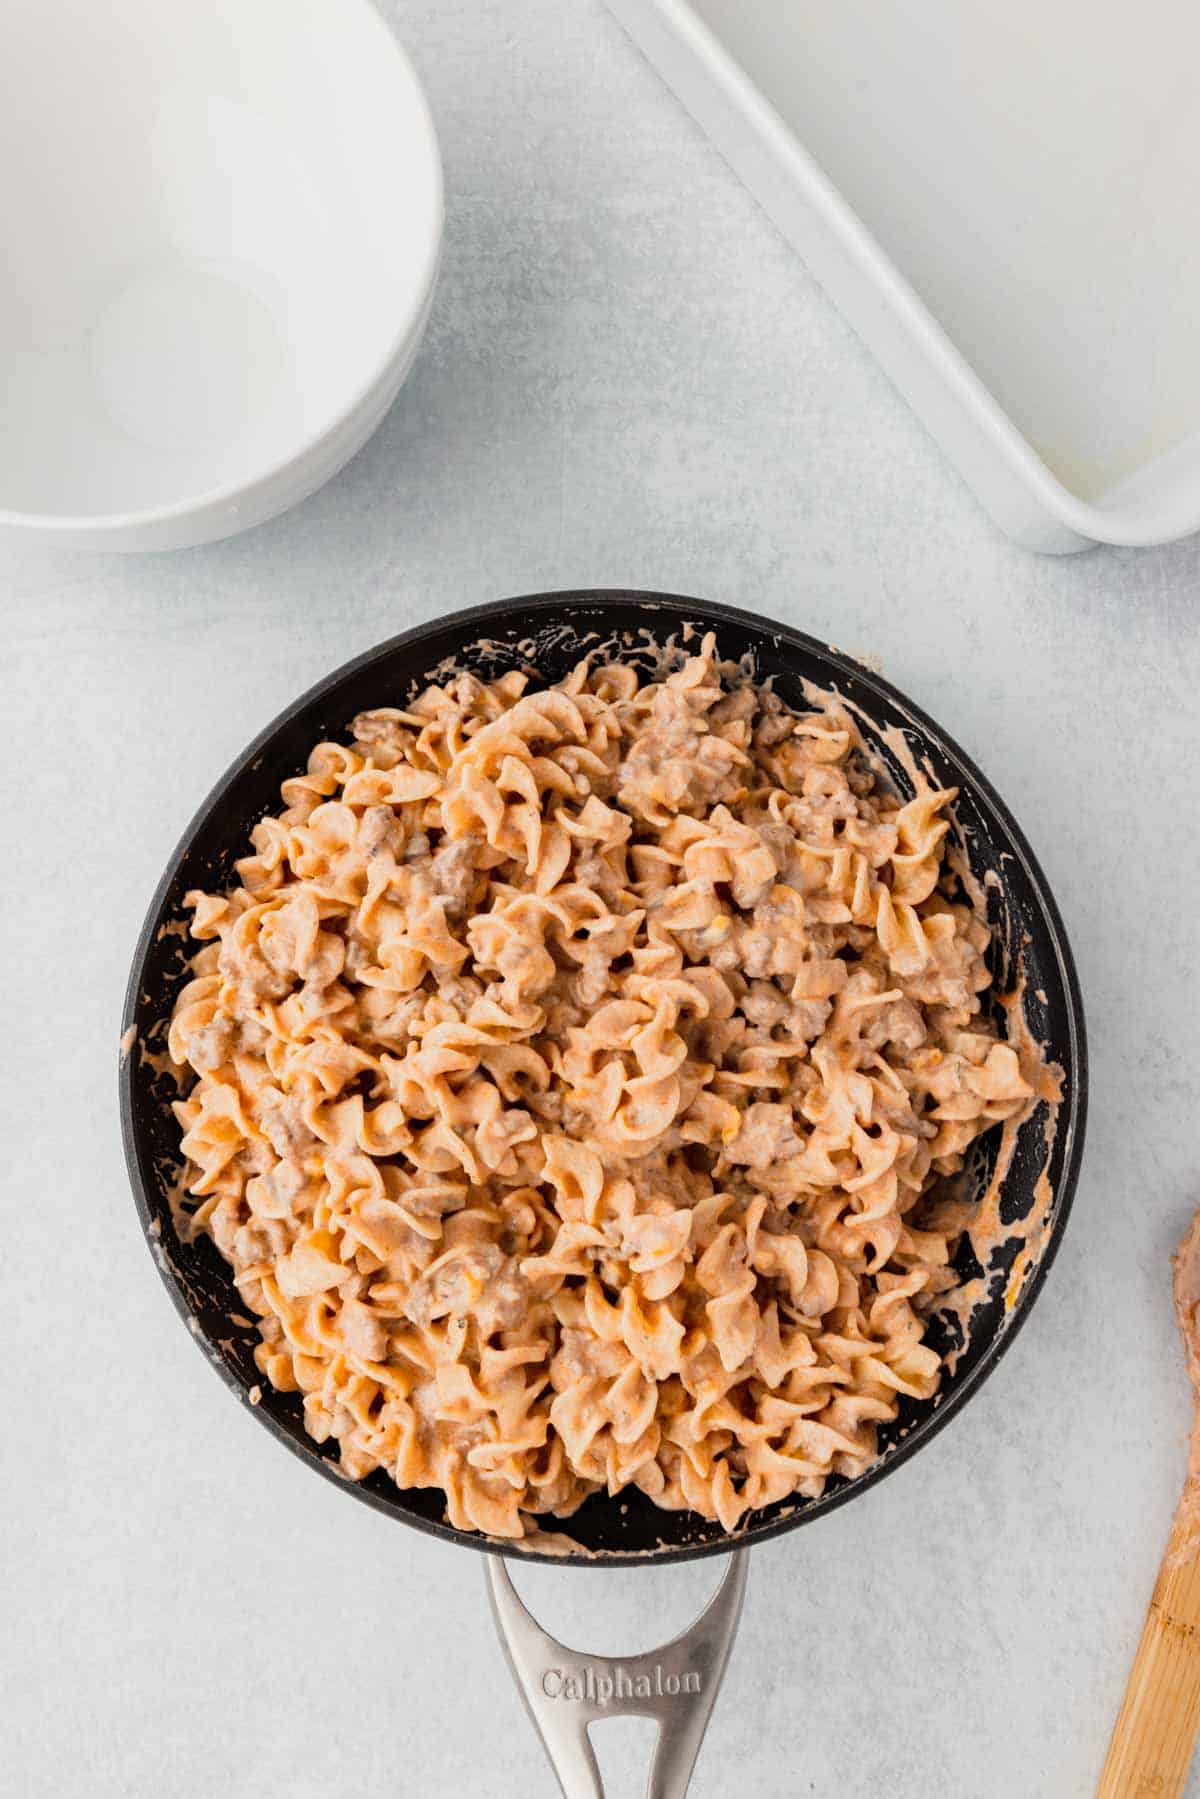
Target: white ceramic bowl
{"type": "Point", "coordinates": [222, 222]}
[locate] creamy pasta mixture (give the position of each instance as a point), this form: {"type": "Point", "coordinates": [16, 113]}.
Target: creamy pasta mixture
{"type": "Point", "coordinates": [572, 1070]}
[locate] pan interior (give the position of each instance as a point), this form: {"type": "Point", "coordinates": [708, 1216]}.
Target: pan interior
{"type": "Point", "coordinates": [546, 635]}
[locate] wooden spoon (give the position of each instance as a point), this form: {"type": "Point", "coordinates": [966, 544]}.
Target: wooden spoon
{"type": "Point", "coordinates": [1155, 1731]}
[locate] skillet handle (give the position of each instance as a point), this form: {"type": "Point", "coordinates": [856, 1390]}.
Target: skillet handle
{"type": "Point", "coordinates": [565, 1691]}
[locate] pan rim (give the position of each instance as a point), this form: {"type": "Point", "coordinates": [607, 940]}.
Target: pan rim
{"type": "Point", "coordinates": [1072, 1124]}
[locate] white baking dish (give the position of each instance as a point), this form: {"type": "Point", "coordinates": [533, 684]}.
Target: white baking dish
{"type": "Point", "coordinates": [1001, 196]}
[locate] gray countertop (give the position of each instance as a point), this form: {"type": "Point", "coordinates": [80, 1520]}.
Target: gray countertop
{"type": "Point", "coordinates": [628, 379]}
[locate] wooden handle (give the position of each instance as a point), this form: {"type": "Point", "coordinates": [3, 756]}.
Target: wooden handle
{"type": "Point", "coordinates": [1155, 1730]}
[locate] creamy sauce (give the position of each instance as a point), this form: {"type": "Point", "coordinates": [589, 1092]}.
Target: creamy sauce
{"type": "Point", "coordinates": [673, 772]}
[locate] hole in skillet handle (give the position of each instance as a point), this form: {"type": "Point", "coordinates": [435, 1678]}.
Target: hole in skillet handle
{"type": "Point", "coordinates": [547, 633]}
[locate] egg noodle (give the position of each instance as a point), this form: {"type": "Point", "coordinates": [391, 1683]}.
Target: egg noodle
{"type": "Point", "coordinates": [572, 1070]}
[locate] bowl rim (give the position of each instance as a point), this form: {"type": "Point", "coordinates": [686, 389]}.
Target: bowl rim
{"type": "Point", "coordinates": [1071, 1126]}
{"type": "Point", "coordinates": [308, 449]}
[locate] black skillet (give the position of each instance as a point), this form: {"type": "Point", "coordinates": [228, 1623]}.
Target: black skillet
{"type": "Point", "coordinates": [548, 633]}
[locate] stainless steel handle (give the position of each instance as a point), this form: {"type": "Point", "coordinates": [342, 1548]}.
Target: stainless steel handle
{"type": "Point", "coordinates": [565, 1691]}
